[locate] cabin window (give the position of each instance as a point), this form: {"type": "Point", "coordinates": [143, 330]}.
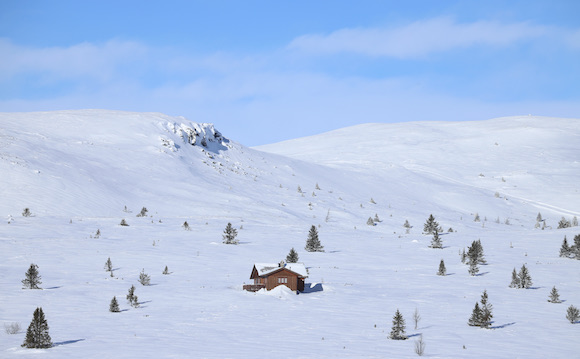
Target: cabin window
{"type": "Point", "coordinates": [282, 280]}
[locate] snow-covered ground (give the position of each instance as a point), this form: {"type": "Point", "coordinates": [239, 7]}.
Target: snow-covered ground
{"type": "Point", "coordinates": [78, 170]}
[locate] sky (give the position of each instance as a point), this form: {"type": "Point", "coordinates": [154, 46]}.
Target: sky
{"type": "Point", "coordinates": [268, 71]}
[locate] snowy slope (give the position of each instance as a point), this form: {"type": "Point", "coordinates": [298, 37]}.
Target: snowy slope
{"type": "Point", "coordinates": [77, 170]}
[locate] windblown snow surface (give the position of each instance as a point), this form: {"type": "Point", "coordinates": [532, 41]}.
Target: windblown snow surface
{"type": "Point", "coordinates": [83, 171]}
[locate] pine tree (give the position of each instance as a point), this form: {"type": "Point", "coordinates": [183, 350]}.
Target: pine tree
{"type": "Point", "coordinates": [475, 319]}
{"type": "Point", "coordinates": [431, 226]}
{"type": "Point", "coordinates": [442, 270]}
{"type": "Point", "coordinates": [109, 265]}
{"type": "Point", "coordinates": [525, 278]}
{"type": "Point", "coordinates": [539, 217]}
{"type": "Point", "coordinates": [186, 226]}
{"type": "Point", "coordinates": [572, 314]}
{"type": "Point", "coordinates": [37, 334]}
{"type": "Point", "coordinates": [398, 329]}
{"type": "Point", "coordinates": [407, 224]}
{"type": "Point", "coordinates": [32, 277]}
{"type": "Point", "coordinates": [575, 221]}
{"type": "Point", "coordinates": [564, 223]}
{"type": "Point", "coordinates": [143, 212]}
{"type": "Point", "coordinates": [515, 283]}
{"type": "Point", "coordinates": [98, 234]}
{"type": "Point", "coordinates": [475, 252]}
{"type": "Point", "coordinates": [370, 222]}
{"type": "Point", "coordinates": [481, 315]}
{"type": "Point", "coordinates": [486, 307]}
{"type": "Point", "coordinates": [376, 219]}
{"type": "Point", "coordinates": [463, 256]}
{"type": "Point", "coordinates": [230, 234]}
{"type": "Point", "coordinates": [554, 296]}
{"type": "Point", "coordinates": [144, 279]}
{"type": "Point", "coordinates": [436, 241]}
{"type": "Point", "coordinates": [292, 256]}
{"type": "Point", "coordinates": [166, 271]}
{"type": "Point", "coordinates": [476, 219]}
{"type": "Point", "coordinates": [575, 249]}
{"type": "Point", "coordinates": [123, 223]}
{"type": "Point", "coordinates": [473, 268]}
{"type": "Point", "coordinates": [312, 242]}
{"type": "Point", "coordinates": [114, 306]}
{"type": "Point", "coordinates": [565, 250]}
{"type": "Point", "coordinates": [26, 212]}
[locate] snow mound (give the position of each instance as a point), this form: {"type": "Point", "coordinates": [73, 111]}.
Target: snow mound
{"type": "Point", "coordinates": [280, 291]}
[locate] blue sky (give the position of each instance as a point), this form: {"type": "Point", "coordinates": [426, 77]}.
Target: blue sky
{"type": "Point", "coordinates": [266, 71]}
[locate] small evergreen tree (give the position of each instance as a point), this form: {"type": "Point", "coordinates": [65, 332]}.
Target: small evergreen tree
{"type": "Point", "coordinates": [292, 256]}
{"type": "Point", "coordinates": [475, 319]}
{"type": "Point", "coordinates": [32, 277]}
{"type": "Point", "coordinates": [299, 189]}
{"type": "Point", "coordinates": [398, 329]}
{"type": "Point", "coordinates": [37, 333]}
{"type": "Point", "coordinates": [186, 226]}
{"type": "Point", "coordinates": [407, 224]}
{"type": "Point", "coordinates": [486, 308]}
{"type": "Point", "coordinates": [114, 306]}
{"type": "Point", "coordinates": [123, 223]}
{"type": "Point", "coordinates": [564, 223]}
{"type": "Point", "coordinates": [431, 226]}
{"type": "Point", "coordinates": [98, 234]}
{"type": "Point", "coordinates": [312, 242]}
{"type": "Point", "coordinates": [575, 221]}
{"type": "Point", "coordinates": [525, 278]}
{"type": "Point", "coordinates": [539, 217]}
{"type": "Point", "coordinates": [143, 212]}
{"type": "Point", "coordinates": [554, 296]}
{"type": "Point", "coordinates": [442, 270]}
{"type": "Point", "coordinates": [463, 256]}
{"type": "Point", "coordinates": [416, 318]}
{"type": "Point", "coordinates": [515, 283]}
{"type": "Point", "coordinates": [370, 222]}
{"type": "Point", "coordinates": [572, 314]}
{"type": "Point", "coordinates": [376, 219]}
{"type": "Point", "coordinates": [166, 271]}
{"type": "Point", "coordinates": [475, 253]}
{"type": "Point", "coordinates": [476, 219]}
{"type": "Point", "coordinates": [109, 265]}
{"type": "Point", "coordinates": [144, 279]}
{"type": "Point", "coordinates": [436, 241]}
{"type": "Point", "coordinates": [230, 234]}
{"type": "Point", "coordinates": [482, 314]}
{"type": "Point", "coordinates": [575, 249]}
{"type": "Point", "coordinates": [131, 295]}
{"type": "Point", "coordinates": [473, 268]}
{"type": "Point", "coordinates": [565, 250]}
{"type": "Point", "coordinates": [26, 212]}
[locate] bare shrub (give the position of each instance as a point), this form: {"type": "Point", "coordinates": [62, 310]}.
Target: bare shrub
{"type": "Point", "coordinates": [12, 328]}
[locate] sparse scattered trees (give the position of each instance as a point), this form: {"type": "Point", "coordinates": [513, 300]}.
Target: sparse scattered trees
{"type": "Point", "coordinates": [12, 328]}
{"type": "Point", "coordinates": [554, 296]}
{"type": "Point", "coordinates": [230, 233]}
{"type": "Point", "coordinates": [32, 277]}
{"type": "Point", "coordinates": [398, 328]}
{"type": "Point", "coordinates": [313, 242]}
{"type": "Point", "coordinates": [564, 223]}
{"type": "Point", "coordinates": [431, 226]}
{"type": "Point", "coordinates": [442, 270]}
{"type": "Point", "coordinates": [572, 314]}
{"type": "Point", "coordinates": [114, 306]}
{"type": "Point", "coordinates": [292, 256]}
{"type": "Point", "coordinates": [572, 251]}
{"type": "Point", "coordinates": [37, 336]}
{"type": "Point", "coordinates": [144, 279]}
{"type": "Point", "coordinates": [482, 314]}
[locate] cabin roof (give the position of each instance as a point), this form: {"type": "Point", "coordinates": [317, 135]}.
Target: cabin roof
{"type": "Point", "coordinates": [265, 269]}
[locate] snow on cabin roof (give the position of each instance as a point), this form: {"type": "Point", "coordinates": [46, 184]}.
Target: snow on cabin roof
{"type": "Point", "coordinates": [267, 268]}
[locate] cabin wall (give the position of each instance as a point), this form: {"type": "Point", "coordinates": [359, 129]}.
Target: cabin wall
{"type": "Point", "coordinates": [291, 280]}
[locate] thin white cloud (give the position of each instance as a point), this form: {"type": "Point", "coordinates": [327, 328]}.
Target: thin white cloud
{"type": "Point", "coordinates": [85, 59]}
{"type": "Point", "coordinates": [416, 39]}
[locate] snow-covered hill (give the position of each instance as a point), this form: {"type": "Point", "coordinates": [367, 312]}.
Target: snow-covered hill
{"type": "Point", "coordinates": [83, 171]}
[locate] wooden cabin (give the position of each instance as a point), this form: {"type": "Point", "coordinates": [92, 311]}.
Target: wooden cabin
{"type": "Point", "coordinates": [269, 276]}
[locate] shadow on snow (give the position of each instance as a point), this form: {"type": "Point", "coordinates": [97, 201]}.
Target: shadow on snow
{"type": "Point", "coordinates": [68, 342]}
{"type": "Point", "coordinates": [312, 288]}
